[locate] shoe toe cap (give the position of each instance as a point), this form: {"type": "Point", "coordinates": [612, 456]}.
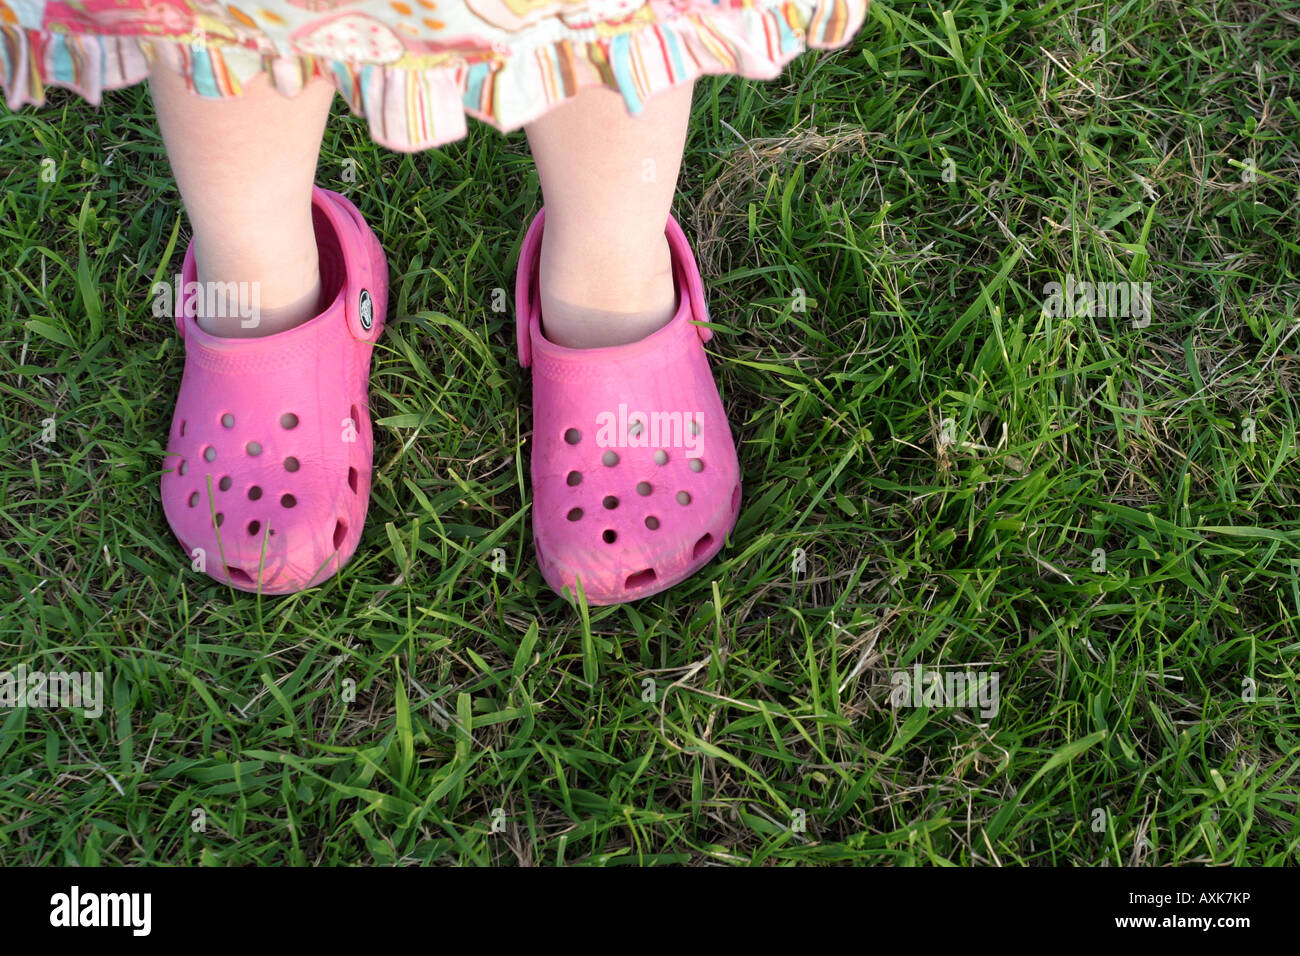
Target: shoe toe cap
{"type": "Point", "coordinates": [255, 535]}
{"type": "Point", "coordinates": [629, 546]}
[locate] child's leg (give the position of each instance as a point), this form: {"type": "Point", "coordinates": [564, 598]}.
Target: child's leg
{"type": "Point", "coordinates": [245, 168]}
{"type": "Point", "coordinates": [608, 180]}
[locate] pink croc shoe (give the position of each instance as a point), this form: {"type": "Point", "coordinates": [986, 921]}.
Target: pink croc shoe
{"type": "Point", "coordinates": [271, 442]}
{"type": "Point", "coordinates": [635, 477]}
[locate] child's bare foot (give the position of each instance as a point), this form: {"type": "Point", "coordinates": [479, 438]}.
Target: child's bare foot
{"type": "Point", "coordinates": [262, 306]}
{"type": "Point", "coordinates": [588, 302]}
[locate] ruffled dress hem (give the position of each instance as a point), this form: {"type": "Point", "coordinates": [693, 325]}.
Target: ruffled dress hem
{"type": "Point", "coordinates": [420, 101]}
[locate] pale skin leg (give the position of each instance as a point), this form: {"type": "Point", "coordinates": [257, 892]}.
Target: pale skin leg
{"type": "Point", "coordinates": [245, 167]}
{"type": "Point", "coordinates": [608, 180]}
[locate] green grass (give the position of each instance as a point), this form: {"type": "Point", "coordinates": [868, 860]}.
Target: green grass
{"type": "Point", "coordinates": [948, 456]}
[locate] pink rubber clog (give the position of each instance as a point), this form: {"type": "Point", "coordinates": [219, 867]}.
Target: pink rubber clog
{"type": "Point", "coordinates": [271, 444]}
{"type": "Point", "coordinates": [635, 477]}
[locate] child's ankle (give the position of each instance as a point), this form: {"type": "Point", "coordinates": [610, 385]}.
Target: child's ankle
{"type": "Point", "coordinates": [594, 308]}
{"type": "Point", "coordinates": [241, 314]}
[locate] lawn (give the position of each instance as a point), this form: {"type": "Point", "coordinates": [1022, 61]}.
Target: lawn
{"type": "Point", "coordinates": [944, 471]}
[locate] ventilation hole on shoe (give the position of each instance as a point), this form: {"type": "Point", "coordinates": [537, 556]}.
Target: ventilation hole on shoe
{"type": "Point", "coordinates": [228, 420]}
{"type": "Point", "coordinates": [194, 499]}
{"type": "Point", "coordinates": [182, 429]}
{"type": "Point", "coordinates": [683, 498]}
{"type": "Point", "coordinates": [575, 478]}
{"type": "Point", "coordinates": [610, 502]}
{"type": "Point", "coordinates": [288, 420]}
{"type": "Point", "coordinates": [644, 489]}
{"type": "Point", "coordinates": [340, 532]}
{"type": "Point", "coordinates": [288, 501]}
{"type": "Point", "coordinates": [254, 493]}
{"type": "Point", "coordinates": [610, 536]}
{"type": "Point", "coordinates": [640, 579]}
{"type": "Point", "coordinates": [354, 415]}
{"type": "Point", "coordinates": [180, 469]}
{"type": "Point", "coordinates": [697, 464]}
{"type": "Point", "coordinates": [695, 427]}
{"type": "Point", "coordinates": [661, 457]}
{"type": "Point", "coordinates": [575, 514]}
{"type": "Point", "coordinates": [225, 483]}
{"type": "Point", "coordinates": [610, 458]}
{"type": "Point", "coordinates": [220, 519]}
{"type": "Point", "coordinates": [209, 454]}
{"type": "Point", "coordinates": [635, 428]}
{"type": "Point", "coordinates": [254, 527]}
{"type": "Point", "coordinates": [240, 576]}
{"type": "Point", "coordinates": [573, 436]}
{"type": "Point", "coordinates": [652, 523]}
{"type": "Point", "coordinates": [291, 464]}
{"type": "Point", "coordinates": [735, 498]}
{"type": "Point", "coordinates": [703, 544]}
{"type": "Point", "coordinates": [253, 448]}
{"type": "Point", "coordinates": [353, 475]}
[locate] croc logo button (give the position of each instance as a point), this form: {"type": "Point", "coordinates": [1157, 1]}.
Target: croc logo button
{"type": "Point", "coordinates": [367, 310]}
